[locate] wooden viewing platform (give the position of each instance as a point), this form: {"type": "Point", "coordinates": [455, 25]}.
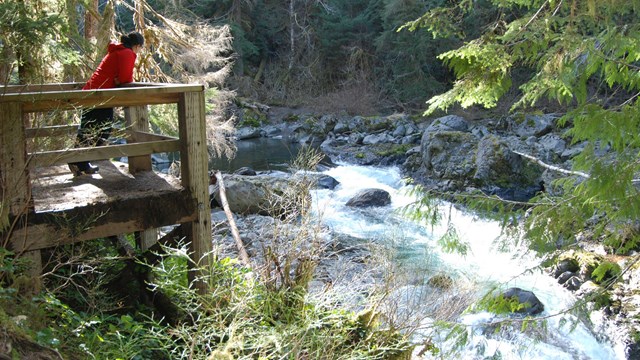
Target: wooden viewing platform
{"type": "Point", "coordinates": [42, 205]}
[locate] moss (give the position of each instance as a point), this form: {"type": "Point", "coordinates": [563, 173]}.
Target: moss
{"type": "Point", "coordinates": [291, 118]}
{"type": "Point", "coordinates": [394, 149]}
{"type": "Point", "coordinates": [441, 281]}
{"type": "Point", "coordinates": [253, 118]}
{"type": "Point", "coordinates": [360, 155]}
{"type": "Point", "coordinates": [602, 300]}
{"type": "Point", "coordinates": [373, 124]}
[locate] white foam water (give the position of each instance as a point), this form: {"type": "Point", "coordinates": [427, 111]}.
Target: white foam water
{"type": "Point", "coordinates": [483, 265]}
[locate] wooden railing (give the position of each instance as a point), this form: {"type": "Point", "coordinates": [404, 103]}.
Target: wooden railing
{"type": "Point", "coordinates": [16, 159]}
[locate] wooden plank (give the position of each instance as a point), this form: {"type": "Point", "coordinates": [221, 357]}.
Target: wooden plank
{"type": "Point", "coordinates": [97, 95]}
{"type": "Point", "coordinates": [19, 89]}
{"type": "Point", "coordinates": [194, 167]}
{"type": "Point", "coordinates": [146, 238]}
{"type": "Point", "coordinates": [14, 174]}
{"type": "Point", "coordinates": [48, 131]}
{"type": "Point", "coordinates": [50, 229]}
{"type": "Point", "coordinates": [137, 119]}
{"type": "Point", "coordinates": [101, 101]}
{"type": "Point", "coordinates": [48, 158]}
{"type": "Point", "coordinates": [144, 136]}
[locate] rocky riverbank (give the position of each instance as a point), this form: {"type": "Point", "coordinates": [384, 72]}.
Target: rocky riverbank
{"type": "Point", "coordinates": [512, 157]}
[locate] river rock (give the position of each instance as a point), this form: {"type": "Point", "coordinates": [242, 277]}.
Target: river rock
{"type": "Point", "coordinates": [448, 123]}
{"type": "Point", "coordinates": [370, 198]}
{"type": "Point", "coordinates": [246, 171]}
{"type": "Point", "coordinates": [534, 306]}
{"type": "Point", "coordinates": [248, 132]}
{"type": "Point", "coordinates": [565, 276]}
{"type": "Point", "coordinates": [574, 283]}
{"type": "Point", "coordinates": [374, 139]}
{"type": "Point", "coordinates": [531, 125]}
{"type": "Point", "coordinates": [495, 163]}
{"type": "Point", "coordinates": [566, 265]}
{"type": "Point", "coordinates": [271, 195]}
{"type": "Point", "coordinates": [553, 143]}
{"type": "Point", "coordinates": [327, 182]}
{"type": "Point", "coordinates": [316, 180]}
{"type": "Point", "coordinates": [440, 281]}
{"type": "Point", "coordinates": [449, 154]}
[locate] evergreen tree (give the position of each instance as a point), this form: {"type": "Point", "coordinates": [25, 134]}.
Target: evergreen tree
{"type": "Point", "coordinates": [585, 56]}
{"type": "Point", "coordinates": [406, 67]}
{"type": "Point", "coordinates": [346, 33]}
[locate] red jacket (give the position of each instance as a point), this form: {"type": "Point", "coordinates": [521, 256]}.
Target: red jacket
{"type": "Point", "coordinates": [114, 69]}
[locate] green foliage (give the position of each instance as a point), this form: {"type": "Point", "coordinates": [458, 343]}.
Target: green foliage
{"type": "Point", "coordinates": [565, 46]}
{"type": "Point", "coordinates": [28, 42]}
{"type": "Point", "coordinates": [345, 31]}
{"type": "Point", "coordinates": [606, 271]}
{"type": "Point", "coordinates": [450, 242]}
{"type": "Point", "coordinates": [576, 54]}
{"type": "Point", "coordinates": [239, 318]}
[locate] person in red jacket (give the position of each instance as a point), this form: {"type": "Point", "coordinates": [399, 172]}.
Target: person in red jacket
{"type": "Point", "coordinates": [115, 69]}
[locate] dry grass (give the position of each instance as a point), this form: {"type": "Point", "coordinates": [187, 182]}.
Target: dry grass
{"type": "Point", "coordinates": [357, 99]}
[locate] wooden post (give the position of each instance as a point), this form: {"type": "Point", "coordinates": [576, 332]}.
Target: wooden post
{"type": "Point", "coordinates": [14, 180]}
{"type": "Point", "coordinates": [13, 159]}
{"type": "Point", "coordinates": [194, 168]}
{"type": "Point", "coordinates": [137, 119]}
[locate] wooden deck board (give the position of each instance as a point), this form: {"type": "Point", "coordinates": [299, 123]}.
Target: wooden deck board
{"type": "Point", "coordinates": [56, 189]}
{"type": "Point", "coordinates": [69, 209]}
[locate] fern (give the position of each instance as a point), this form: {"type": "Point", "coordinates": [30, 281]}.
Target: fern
{"type": "Point", "coordinates": [605, 271]}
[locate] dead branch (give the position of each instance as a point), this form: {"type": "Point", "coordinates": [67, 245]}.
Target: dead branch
{"type": "Point", "coordinates": [559, 169]}
{"type": "Point", "coordinates": [232, 224]}
{"type": "Point", "coordinates": [551, 167]}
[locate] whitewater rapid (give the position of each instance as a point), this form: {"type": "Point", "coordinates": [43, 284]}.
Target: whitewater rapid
{"type": "Point", "coordinates": [483, 265]}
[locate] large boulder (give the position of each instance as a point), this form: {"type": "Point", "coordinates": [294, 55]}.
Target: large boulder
{"type": "Point", "coordinates": [265, 194]}
{"type": "Point", "coordinates": [448, 123]}
{"type": "Point", "coordinates": [370, 198]}
{"type": "Point", "coordinates": [532, 305]}
{"type": "Point", "coordinates": [457, 154]}
{"type": "Point", "coordinates": [449, 155]}
{"type": "Point", "coordinates": [498, 167]}
{"type": "Point", "coordinates": [495, 163]}
{"type": "Point", "coordinates": [526, 125]}
{"type": "Point", "coordinates": [248, 132]}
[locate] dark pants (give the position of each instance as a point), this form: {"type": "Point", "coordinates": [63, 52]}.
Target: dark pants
{"type": "Point", "coordinates": [95, 127]}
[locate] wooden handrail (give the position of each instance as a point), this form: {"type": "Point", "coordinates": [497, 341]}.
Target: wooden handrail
{"type": "Point", "coordinates": [135, 94]}
{"type": "Point", "coordinates": [57, 157]}
{"type": "Point", "coordinates": [47, 131]}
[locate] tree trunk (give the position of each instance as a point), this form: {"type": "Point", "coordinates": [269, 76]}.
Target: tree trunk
{"type": "Point", "coordinates": [91, 20]}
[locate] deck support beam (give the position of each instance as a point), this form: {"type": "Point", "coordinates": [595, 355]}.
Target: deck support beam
{"type": "Point", "coordinates": [15, 199]}
{"type": "Point", "coordinates": [137, 119]}
{"type": "Point", "coordinates": [194, 161]}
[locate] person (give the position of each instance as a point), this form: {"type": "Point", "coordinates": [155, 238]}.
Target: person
{"type": "Point", "coordinates": [115, 69]}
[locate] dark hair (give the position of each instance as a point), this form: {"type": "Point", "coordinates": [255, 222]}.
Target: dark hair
{"type": "Point", "coordinates": [132, 39]}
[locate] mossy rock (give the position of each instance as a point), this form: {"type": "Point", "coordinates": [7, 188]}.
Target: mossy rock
{"type": "Point", "coordinates": [253, 117]}
{"type": "Point", "coordinates": [394, 149]}
{"type": "Point", "coordinates": [441, 281]}
{"type": "Point", "coordinates": [290, 118]}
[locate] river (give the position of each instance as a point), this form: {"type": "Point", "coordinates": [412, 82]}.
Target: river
{"type": "Point", "coordinates": [416, 247]}
{"type": "Point", "coordinates": [484, 266]}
